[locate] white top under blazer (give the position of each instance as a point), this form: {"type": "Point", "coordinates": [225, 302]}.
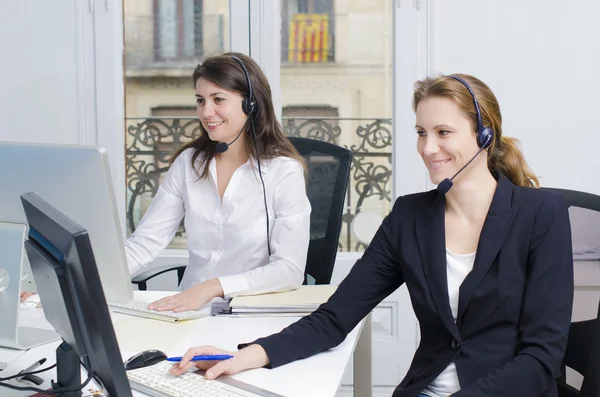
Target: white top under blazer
{"type": "Point", "coordinates": [457, 268]}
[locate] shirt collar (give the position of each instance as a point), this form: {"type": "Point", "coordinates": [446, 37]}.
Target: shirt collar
{"type": "Point", "coordinates": [264, 164]}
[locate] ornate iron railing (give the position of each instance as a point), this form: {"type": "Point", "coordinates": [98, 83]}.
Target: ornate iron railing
{"type": "Point", "coordinates": [151, 141]}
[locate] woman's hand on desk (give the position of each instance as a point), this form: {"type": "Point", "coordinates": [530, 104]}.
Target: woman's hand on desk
{"type": "Point", "coordinates": [253, 356]}
{"type": "Point", "coordinates": [191, 299]}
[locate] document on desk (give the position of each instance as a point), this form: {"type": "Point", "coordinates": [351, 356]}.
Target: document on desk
{"type": "Point", "coordinates": [305, 299]}
{"type": "Point", "coordinates": [137, 334]}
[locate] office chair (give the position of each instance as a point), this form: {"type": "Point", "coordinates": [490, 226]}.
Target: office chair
{"type": "Point", "coordinates": [583, 355]}
{"type": "Point", "coordinates": [583, 345]}
{"type": "Point", "coordinates": [328, 175]}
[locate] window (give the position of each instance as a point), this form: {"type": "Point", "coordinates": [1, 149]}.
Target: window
{"type": "Point", "coordinates": [307, 31]}
{"type": "Point", "coordinates": [312, 121]}
{"type": "Point", "coordinates": [152, 141]}
{"type": "Point", "coordinates": [178, 29]}
{"type": "Point", "coordinates": [348, 102]}
{"type": "Point", "coordinates": [173, 118]}
{"type": "Point", "coordinates": [172, 34]}
{"type": "Point", "coordinates": [164, 41]}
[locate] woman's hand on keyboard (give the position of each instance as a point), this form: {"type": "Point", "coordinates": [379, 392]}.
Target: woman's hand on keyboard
{"type": "Point", "coordinates": [191, 299]}
{"type": "Point", "coordinates": [253, 356]}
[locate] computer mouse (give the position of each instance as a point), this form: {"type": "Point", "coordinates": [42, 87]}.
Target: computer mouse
{"type": "Point", "coordinates": [145, 359]}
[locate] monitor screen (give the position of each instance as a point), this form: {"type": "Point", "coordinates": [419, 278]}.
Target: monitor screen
{"type": "Point", "coordinates": [76, 180]}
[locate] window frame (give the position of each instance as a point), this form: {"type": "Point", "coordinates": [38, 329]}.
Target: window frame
{"type": "Point", "coordinates": [180, 33]}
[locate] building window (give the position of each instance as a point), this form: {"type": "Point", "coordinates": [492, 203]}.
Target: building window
{"type": "Point", "coordinates": [178, 29]}
{"type": "Point", "coordinates": [307, 31]}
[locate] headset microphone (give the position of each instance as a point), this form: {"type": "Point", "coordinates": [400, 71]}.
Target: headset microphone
{"type": "Point", "coordinates": [222, 146]}
{"type": "Point", "coordinates": [446, 184]}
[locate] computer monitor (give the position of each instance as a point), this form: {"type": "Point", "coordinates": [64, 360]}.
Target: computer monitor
{"type": "Point", "coordinates": [63, 266]}
{"type": "Point", "coordinates": [77, 181]}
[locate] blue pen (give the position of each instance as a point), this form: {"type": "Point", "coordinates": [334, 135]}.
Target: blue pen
{"type": "Point", "coordinates": [203, 358]}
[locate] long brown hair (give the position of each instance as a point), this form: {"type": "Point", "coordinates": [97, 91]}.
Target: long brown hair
{"type": "Point", "coordinates": [225, 72]}
{"type": "Point", "coordinates": [504, 155]}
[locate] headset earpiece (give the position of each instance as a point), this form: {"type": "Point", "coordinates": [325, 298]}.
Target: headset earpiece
{"type": "Point", "coordinates": [485, 135]}
{"type": "Point", "coordinates": [248, 106]}
{"type": "Point", "coordinates": [485, 138]}
{"type": "Point", "coordinates": [248, 103]}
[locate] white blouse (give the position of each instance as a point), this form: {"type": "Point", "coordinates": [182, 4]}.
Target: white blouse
{"type": "Point", "coordinates": [227, 239]}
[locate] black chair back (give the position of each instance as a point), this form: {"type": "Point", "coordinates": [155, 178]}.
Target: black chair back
{"type": "Point", "coordinates": [328, 175]}
{"type": "Point", "coordinates": [591, 380]}
{"type": "Point", "coordinates": [583, 345]}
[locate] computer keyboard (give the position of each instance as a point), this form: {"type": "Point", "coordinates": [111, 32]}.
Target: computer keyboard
{"type": "Point", "coordinates": [157, 381]}
{"type": "Point", "coordinates": [140, 309]}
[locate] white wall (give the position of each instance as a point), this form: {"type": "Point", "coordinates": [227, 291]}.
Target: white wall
{"type": "Point", "coordinates": [39, 72]}
{"type": "Point", "coordinates": [61, 77]}
{"type": "Point", "coordinates": [541, 58]}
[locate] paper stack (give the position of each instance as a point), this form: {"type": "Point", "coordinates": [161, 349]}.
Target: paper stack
{"type": "Point", "coordinates": [299, 302]}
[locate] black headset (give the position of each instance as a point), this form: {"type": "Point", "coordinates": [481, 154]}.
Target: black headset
{"type": "Point", "coordinates": [485, 135]}
{"type": "Point", "coordinates": [249, 107]}
{"type": "Point", "coordinates": [248, 104]}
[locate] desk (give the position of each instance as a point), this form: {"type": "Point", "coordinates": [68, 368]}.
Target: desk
{"type": "Point", "coordinates": [319, 375]}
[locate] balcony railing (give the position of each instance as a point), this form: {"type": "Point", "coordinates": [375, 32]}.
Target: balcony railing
{"type": "Point", "coordinates": [151, 141]}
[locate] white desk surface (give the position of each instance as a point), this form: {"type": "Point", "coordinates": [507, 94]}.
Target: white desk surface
{"type": "Point", "coordinates": [319, 375]}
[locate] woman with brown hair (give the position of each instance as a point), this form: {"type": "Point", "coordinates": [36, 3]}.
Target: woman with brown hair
{"type": "Point", "coordinates": [486, 258]}
{"type": "Point", "coordinates": [240, 187]}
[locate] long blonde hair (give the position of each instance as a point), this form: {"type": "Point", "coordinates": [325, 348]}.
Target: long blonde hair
{"type": "Point", "coordinates": [504, 155]}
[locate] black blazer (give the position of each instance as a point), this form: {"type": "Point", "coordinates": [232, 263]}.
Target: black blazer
{"type": "Point", "coordinates": [514, 306]}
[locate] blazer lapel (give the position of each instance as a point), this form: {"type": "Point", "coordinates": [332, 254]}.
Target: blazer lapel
{"type": "Point", "coordinates": [431, 239]}
{"type": "Point", "coordinates": [493, 233]}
